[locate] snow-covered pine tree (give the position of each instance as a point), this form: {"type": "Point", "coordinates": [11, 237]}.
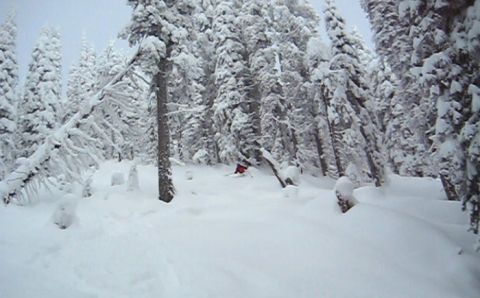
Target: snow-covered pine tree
{"type": "Point", "coordinates": [466, 37]}
{"type": "Point", "coordinates": [263, 60]}
{"type": "Point", "coordinates": [390, 35]}
{"type": "Point", "coordinates": [294, 23]}
{"type": "Point", "coordinates": [159, 25]}
{"type": "Point", "coordinates": [407, 144]}
{"type": "Point", "coordinates": [82, 79]}
{"type": "Point", "coordinates": [66, 151]}
{"type": "Point", "coordinates": [384, 87]}
{"type": "Point", "coordinates": [40, 107]}
{"type": "Point", "coordinates": [206, 50]}
{"type": "Point", "coordinates": [470, 137]}
{"type": "Point", "coordinates": [318, 63]}
{"type": "Point", "coordinates": [387, 112]}
{"type": "Point", "coordinates": [438, 43]}
{"type": "Point", "coordinates": [188, 71]}
{"type": "Point", "coordinates": [233, 117]}
{"type": "Point", "coordinates": [8, 94]}
{"type": "Point", "coordinates": [347, 106]}
{"type": "Point", "coordinates": [187, 109]}
{"type": "Point", "coordinates": [122, 106]}
{"type": "Point", "coordinates": [149, 137]}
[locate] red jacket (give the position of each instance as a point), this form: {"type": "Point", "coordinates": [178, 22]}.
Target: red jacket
{"type": "Point", "coordinates": [240, 169]}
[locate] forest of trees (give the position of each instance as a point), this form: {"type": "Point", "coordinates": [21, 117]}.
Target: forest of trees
{"type": "Point", "coordinates": [218, 81]}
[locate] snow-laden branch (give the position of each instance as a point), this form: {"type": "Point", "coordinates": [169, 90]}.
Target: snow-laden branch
{"type": "Point", "coordinates": [62, 140]}
{"type": "Point", "coordinates": [275, 167]}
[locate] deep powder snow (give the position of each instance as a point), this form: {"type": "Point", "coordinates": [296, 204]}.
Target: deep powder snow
{"type": "Point", "coordinates": [226, 236]}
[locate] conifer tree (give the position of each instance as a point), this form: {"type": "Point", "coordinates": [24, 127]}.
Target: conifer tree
{"type": "Point", "coordinates": [194, 140]}
{"type": "Point", "coordinates": [261, 43]}
{"type": "Point", "coordinates": [200, 128]}
{"type": "Point", "coordinates": [40, 108]}
{"type": "Point", "coordinates": [318, 60]}
{"type": "Point", "coordinates": [295, 23]}
{"type": "Point", "coordinates": [233, 119]}
{"type": "Point", "coordinates": [408, 142]}
{"type": "Point", "coordinates": [8, 94]}
{"type": "Point", "coordinates": [82, 79]}
{"type": "Point", "coordinates": [438, 44]}
{"type": "Point", "coordinates": [122, 106]}
{"type": "Point", "coordinates": [160, 25]}
{"type": "Point", "coordinates": [348, 100]}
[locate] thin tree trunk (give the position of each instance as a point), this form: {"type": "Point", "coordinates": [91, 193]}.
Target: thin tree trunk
{"type": "Point", "coordinates": [333, 139]}
{"type": "Point", "coordinates": [338, 163]}
{"type": "Point", "coordinates": [321, 157]}
{"type": "Point", "coordinates": [374, 168]}
{"type": "Point", "coordinates": [267, 156]}
{"type": "Point", "coordinates": [448, 187]}
{"type": "Point", "coordinates": [165, 185]}
{"type": "Point", "coordinates": [254, 95]}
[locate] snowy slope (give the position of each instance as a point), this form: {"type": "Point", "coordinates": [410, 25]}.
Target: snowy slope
{"type": "Point", "coordinates": [239, 237]}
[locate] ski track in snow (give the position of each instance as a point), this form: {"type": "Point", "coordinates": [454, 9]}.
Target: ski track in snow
{"type": "Point", "coordinates": [225, 237]}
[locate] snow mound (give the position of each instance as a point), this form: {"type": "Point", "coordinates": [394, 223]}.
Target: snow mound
{"type": "Point", "coordinates": [344, 186]}
{"type": "Point", "coordinates": [117, 179]}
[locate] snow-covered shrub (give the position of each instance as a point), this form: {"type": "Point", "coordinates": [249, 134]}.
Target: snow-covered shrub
{"type": "Point", "coordinates": [353, 174]}
{"type": "Point", "coordinates": [132, 183]}
{"type": "Point", "coordinates": [344, 192]}
{"type": "Point", "coordinates": [201, 157]}
{"type": "Point", "coordinates": [62, 184]}
{"type": "Point", "coordinates": [64, 214]}
{"type": "Point", "coordinates": [117, 179]}
{"type": "Point", "coordinates": [292, 175]}
{"type": "Point", "coordinates": [87, 188]}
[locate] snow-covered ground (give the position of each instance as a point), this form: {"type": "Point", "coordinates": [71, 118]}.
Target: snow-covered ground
{"type": "Point", "coordinates": [239, 237]}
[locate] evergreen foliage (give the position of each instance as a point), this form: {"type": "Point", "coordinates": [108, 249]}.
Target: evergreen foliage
{"type": "Point", "coordinates": [8, 93]}
{"type": "Point", "coordinates": [40, 108]}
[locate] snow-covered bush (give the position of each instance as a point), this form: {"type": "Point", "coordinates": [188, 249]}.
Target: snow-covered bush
{"type": "Point", "coordinates": [87, 188]}
{"type": "Point", "coordinates": [132, 183]}
{"type": "Point", "coordinates": [117, 179]}
{"type": "Point", "coordinates": [292, 174]}
{"type": "Point", "coordinates": [64, 214]}
{"type": "Point", "coordinates": [344, 192]}
{"type": "Point", "coordinates": [353, 174]}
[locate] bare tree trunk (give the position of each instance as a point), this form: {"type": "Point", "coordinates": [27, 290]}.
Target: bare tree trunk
{"type": "Point", "coordinates": [166, 190]}
{"type": "Point", "coordinates": [333, 139]}
{"type": "Point", "coordinates": [321, 157]}
{"type": "Point", "coordinates": [335, 149]}
{"type": "Point", "coordinates": [254, 95]}
{"type": "Point", "coordinates": [448, 187]}
{"type": "Point", "coordinates": [375, 169]}
{"type": "Point", "coordinates": [267, 156]}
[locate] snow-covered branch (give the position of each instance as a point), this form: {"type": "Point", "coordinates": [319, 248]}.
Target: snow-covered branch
{"type": "Point", "coordinates": [66, 139]}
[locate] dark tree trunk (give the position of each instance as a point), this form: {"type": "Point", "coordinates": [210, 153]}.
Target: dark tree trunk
{"type": "Point", "coordinates": [448, 187]}
{"type": "Point", "coordinates": [321, 157]}
{"type": "Point", "coordinates": [333, 139]}
{"type": "Point", "coordinates": [271, 163]}
{"type": "Point", "coordinates": [338, 163]}
{"type": "Point", "coordinates": [254, 95]}
{"type": "Point", "coordinates": [370, 149]}
{"type": "Point", "coordinates": [165, 186]}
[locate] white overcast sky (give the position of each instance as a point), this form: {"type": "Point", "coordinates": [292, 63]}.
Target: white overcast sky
{"type": "Point", "coordinates": [101, 20]}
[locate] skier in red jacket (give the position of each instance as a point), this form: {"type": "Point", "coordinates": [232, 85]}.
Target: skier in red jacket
{"type": "Point", "coordinates": [240, 169]}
